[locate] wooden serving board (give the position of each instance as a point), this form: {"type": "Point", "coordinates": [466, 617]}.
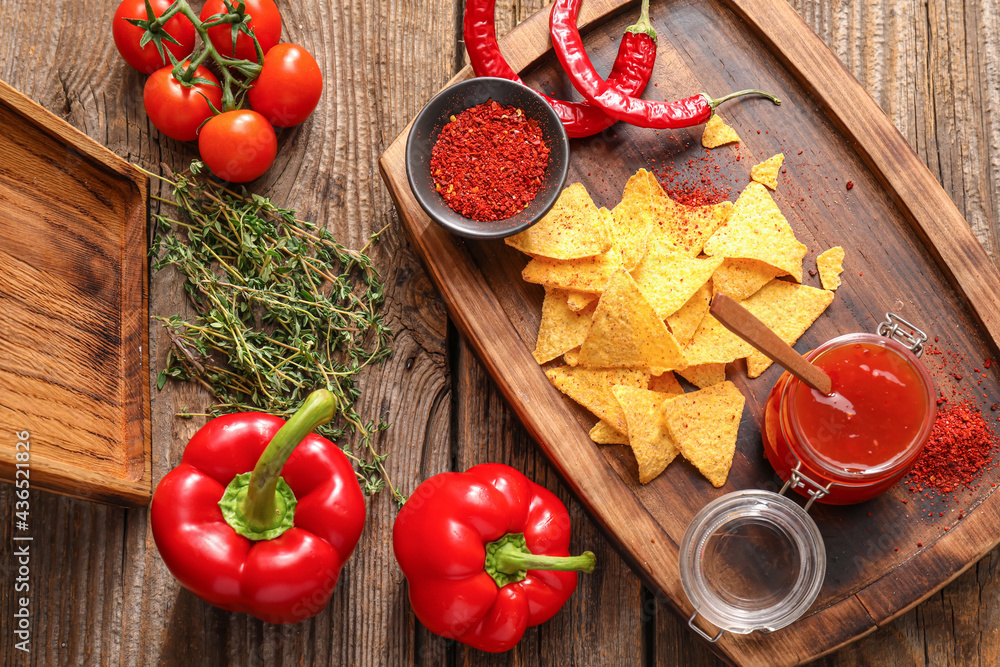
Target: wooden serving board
{"type": "Point", "coordinates": [908, 251]}
{"type": "Point", "coordinates": [73, 303]}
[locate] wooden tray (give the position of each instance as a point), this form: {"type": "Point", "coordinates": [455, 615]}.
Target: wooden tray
{"type": "Point", "coordinates": [73, 303]}
{"type": "Point", "coordinates": [908, 251]}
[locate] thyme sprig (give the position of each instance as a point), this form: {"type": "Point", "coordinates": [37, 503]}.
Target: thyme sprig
{"type": "Point", "coordinates": [281, 308]}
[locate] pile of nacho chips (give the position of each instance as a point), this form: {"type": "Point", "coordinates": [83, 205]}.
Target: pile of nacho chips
{"type": "Point", "coordinates": [627, 295]}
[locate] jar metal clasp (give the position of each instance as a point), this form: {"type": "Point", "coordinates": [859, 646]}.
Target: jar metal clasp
{"type": "Point", "coordinates": [701, 632]}
{"type": "Point", "coordinates": [799, 479]}
{"type": "Point", "coordinates": [898, 329]}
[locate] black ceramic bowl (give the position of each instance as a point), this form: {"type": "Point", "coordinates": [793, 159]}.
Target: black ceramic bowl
{"type": "Point", "coordinates": [458, 98]}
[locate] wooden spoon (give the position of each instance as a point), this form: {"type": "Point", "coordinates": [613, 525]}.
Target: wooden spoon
{"type": "Point", "coordinates": [741, 322]}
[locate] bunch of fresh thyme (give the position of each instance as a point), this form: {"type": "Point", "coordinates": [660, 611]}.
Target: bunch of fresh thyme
{"type": "Point", "coordinates": [282, 309]}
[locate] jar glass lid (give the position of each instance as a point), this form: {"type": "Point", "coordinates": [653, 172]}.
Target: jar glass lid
{"type": "Point", "coordinates": [752, 560]}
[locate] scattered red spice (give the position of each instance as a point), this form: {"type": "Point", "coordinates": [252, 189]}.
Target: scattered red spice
{"type": "Point", "coordinates": [959, 450]}
{"type": "Point", "coordinates": [488, 162]}
{"type": "Point", "coordinates": [850, 184]}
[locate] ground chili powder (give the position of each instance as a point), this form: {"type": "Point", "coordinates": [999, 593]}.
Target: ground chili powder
{"type": "Point", "coordinates": [959, 450]}
{"type": "Point", "coordinates": [488, 162]}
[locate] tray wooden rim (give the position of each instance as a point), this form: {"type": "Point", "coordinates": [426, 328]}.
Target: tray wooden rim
{"type": "Point", "coordinates": [920, 198]}
{"type": "Point", "coordinates": [137, 487]}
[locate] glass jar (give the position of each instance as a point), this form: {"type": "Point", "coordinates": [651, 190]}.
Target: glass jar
{"type": "Point", "coordinates": [751, 560]}
{"type": "Point", "coordinates": [800, 450]}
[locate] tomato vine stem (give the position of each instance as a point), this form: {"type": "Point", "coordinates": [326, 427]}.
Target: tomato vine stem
{"type": "Point", "coordinates": [185, 74]}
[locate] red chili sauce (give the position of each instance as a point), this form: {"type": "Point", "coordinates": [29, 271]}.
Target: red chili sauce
{"type": "Point", "coordinates": [874, 413]}
{"type": "Point", "coordinates": [861, 439]}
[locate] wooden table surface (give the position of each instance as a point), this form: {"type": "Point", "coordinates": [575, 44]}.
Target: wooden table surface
{"type": "Point", "coordinates": [101, 594]}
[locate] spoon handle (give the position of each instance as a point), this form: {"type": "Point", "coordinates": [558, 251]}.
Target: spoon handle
{"type": "Point", "coordinates": [741, 322]}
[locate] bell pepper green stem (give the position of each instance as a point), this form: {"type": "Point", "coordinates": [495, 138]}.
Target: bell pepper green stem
{"type": "Point", "coordinates": [260, 508]}
{"type": "Point", "coordinates": [509, 559]}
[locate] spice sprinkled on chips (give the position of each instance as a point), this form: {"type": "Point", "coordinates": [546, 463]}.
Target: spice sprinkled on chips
{"type": "Point", "coordinates": [703, 425]}
{"type": "Point", "coordinates": [831, 265]}
{"type": "Point", "coordinates": [668, 279]}
{"type": "Point", "coordinates": [718, 133]}
{"type": "Point", "coordinates": [573, 229]}
{"type": "Point", "coordinates": [741, 278]}
{"type": "Point", "coordinates": [604, 433]}
{"type": "Point", "coordinates": [756, 229]}
{"type": "Point", "coordinates": [766, 173]}
{"type": "Point", "coordinates": [651, 444]}
{"type": "Point", "coordinates": [627, 332]}
{"type": "Point", "coordinates": [592, 389]}
{"type": "Point", "coordinates": [561, 329]}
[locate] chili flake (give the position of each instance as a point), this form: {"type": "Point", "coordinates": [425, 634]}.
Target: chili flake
{"type": "Point", "coordinates": [958, 451]}
{"type": "Point", "coordinates": [488, 162]}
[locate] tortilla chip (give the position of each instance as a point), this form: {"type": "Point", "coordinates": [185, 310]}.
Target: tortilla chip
{"type": "Point", "coordinates": [665, 383]}
{"type": "Point", "coordinates": [632, 220]}
{"type": "Point", "coordinates": [718, 133]}
{"type": "Point", "coordinates": [756, 229]}
{"type": "Point", "coordinates": [579, 300]}
{"type": "Point", "coordinates": [572, 357]}
{"type": "Point", "coordinates": [766, 173]}
{"type": "Point", "coordinates": [740, 278]}
{"type": "Point", "coordinates": [831, 265]}
{"type": "Point", "coordinates": [685, 321]}
{"type": "Point", "coordinates": [715, 344]}
{"type": "Point", "coordinates": [571, 230]}
{"type": "Point", "coordinates": [687, 227]}
{"type": "Point", "coordinates": [788, 309]}
{"type": "Point", "coordinates": [604, 433]}
{"type": "Point", "coordinates": [627, 331]}
{"type": "Point", "coordinates": [649, 440]}
{"type": "Point", "coordinates": [668, 279]}
{"type": "Point", "coordinates": [704, 425]}
{"type": "Point", "coordinates": [586, 275]}
{"type": "Point", "coordinates": [592, 389]}
{"type": "Point", "coordinates": [704, 375]}
{"type": "Point", "coordinates": [561, 329]}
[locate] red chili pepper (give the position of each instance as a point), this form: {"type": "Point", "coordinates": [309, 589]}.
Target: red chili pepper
{"type": "Point", "coordinates": [270, 543]}
{"type": "Point", "coordinates": [573, 56]}
{"type": "Point", "coordinates": [630, 73]}
{"type": "Point", "coordinates": [486, 555]}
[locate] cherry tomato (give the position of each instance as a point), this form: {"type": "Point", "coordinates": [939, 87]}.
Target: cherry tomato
{"type": "Point", "coordinates": [288, 87]}
{"type": "Point", "coordinates": [176, 110]}
{"type": "Point", "coordinates": [265, 21]}
{"type": "Point", "coordinates": [238, 145]}
{"type": "Point", "coordinates": [127, 36]}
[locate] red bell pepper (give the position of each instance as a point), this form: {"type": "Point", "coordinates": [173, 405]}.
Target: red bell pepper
{"type": "Point", "coordinates": [486, 555]}
{"type": "Point", "coordinates": [270, 542]}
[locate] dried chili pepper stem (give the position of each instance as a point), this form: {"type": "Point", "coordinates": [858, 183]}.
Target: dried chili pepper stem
{"type": "Point", "coordinates": [643, 26]}
{"type": "Point", "coordinates": [714, 103]}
